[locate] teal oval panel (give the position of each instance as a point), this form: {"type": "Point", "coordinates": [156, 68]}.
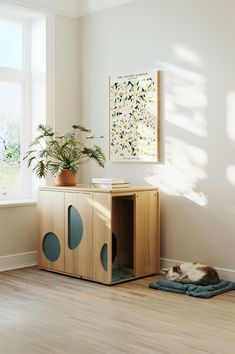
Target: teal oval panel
{"type": "Point", "coordinates": [51, 246]}
{"type": "Point", "coordinates": [75, 227]}
{"type": "Point", "coordinates": [104, 256]}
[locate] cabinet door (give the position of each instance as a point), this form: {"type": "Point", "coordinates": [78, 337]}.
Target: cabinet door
{"type": "Point", "coordinates": [146, 243]}
{"type": "Point", "coordinates": [51, 230]}
{"type": "Point", "coordinates": [78, 234]}
{"type": "Point", "coordinates": [102, 239]}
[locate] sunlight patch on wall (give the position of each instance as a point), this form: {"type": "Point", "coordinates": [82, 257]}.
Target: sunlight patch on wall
{"type": "Point", "coordinates": [231, 115]}
{"type": "Point", "coordinates": [188, 95]}
{"type": "Point", "coordinates": [186, 100]}
{"type": "Point", "coordinates": [187, 55]}
{"type": "Point", "coordinates": [230, 173]}
{"type": "Point", "coordinates": [232, 210]}
{"type": "Point", "coordinates": [185, 168]}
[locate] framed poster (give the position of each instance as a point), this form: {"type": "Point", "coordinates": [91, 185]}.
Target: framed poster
{"type": "Point", "coordinates": [135, 117]}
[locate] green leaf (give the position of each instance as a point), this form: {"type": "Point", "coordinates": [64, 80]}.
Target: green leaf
{"type": "Point", "coordinates": [81, 128]}
{"type": "Point", "coordinates": [53, 153]}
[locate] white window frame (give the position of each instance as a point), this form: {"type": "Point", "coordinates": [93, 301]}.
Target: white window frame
{"type": "Point", "coordinates": [21, 76]}
{"type": "Point", "coordinates": [38, 79]}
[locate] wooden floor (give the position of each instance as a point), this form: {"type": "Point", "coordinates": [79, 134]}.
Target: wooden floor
{"type": "Point", "coordinates": [42, 312]}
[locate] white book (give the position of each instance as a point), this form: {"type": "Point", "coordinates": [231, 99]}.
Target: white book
{"type": "Point", "coordinates": [111, 186]}
{"type": "Point", "coordinates": [109, 180]}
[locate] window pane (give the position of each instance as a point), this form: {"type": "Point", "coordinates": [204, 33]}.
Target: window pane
{"type": "Point", "coordinates": [11, 38]}
{"type": "Point", "coordinates": [10, 118]}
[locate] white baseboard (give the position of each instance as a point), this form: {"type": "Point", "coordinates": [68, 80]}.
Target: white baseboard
{"type": "Point", "coordinates": [226, 274]}
{"type": "Point", "coordinates": [20, 260]}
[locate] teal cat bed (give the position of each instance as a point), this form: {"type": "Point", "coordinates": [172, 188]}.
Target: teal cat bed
{"type": "Point", "coordinates": [120, 274]}
{"type": "Point", "coordinates": [203, 291]}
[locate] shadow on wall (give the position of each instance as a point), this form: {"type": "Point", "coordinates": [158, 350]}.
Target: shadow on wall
{"type": "Point", "coordinates": [198, 177]}
{"type": "Point", "coordinates": [186, 159]}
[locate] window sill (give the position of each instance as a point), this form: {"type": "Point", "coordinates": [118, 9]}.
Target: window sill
{"type": "Point", "coordinates": [17, 203]}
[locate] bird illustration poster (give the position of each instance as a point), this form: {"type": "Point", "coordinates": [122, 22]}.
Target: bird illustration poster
{"type": "Point", "coordinates": [135, 117]}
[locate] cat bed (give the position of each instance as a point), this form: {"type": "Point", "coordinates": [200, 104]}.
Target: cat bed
{"type": "Point", "coordinates": [119, 274]}
{"type": "Point", "coordinates": [203, 291]}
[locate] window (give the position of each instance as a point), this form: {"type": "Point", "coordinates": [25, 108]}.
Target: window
{"type": "Point", "coordinates": [18, 99]}
{"type": "Point", "coordinates": [10, 119]}
{"type": "Point", "coordinates": [11, 49]}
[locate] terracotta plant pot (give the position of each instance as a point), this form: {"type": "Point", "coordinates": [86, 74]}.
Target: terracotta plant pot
{"type": "Point", "coordinates": [66, 178]}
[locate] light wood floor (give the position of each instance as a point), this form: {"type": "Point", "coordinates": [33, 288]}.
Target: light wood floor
{"type": "Point", "coordinates": [42, 312]}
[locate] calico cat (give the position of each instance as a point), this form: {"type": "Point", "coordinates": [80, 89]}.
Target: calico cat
{"type": "Point", "coordinates": [193, 273]}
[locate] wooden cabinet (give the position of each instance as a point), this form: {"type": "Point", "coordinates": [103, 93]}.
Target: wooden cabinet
{"type": "Point", "coordinates": [99, 234]}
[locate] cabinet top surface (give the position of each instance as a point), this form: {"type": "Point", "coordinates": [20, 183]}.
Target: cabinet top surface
{"type": "Point", "coordinates": [89, 188]}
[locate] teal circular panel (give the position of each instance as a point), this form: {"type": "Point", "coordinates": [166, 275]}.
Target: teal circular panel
{"type": "Point", "coordinates": [75, 227]}
{"type": "Point", "coordinates": [51, 246]}
{"type": "Point", "coordinates": [104, 256]}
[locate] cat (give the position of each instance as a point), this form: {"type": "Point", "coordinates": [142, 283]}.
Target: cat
{"type": "Point", "coordinates": [192, 273]}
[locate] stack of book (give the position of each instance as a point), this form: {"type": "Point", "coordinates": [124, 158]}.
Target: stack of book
{"type": "Point", "coordinates": [110, 183]}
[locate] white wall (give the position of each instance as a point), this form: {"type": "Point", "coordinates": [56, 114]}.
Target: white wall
{"type": "Point", "coordinates": [18, 226]}
{"type": "Point", "coordinates": [67, 72]}
{"type": "Point", "coordinates": [192, 41]}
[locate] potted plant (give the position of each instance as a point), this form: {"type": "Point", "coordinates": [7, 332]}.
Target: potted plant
{"type": "Point", "coordinates": [61, 155]}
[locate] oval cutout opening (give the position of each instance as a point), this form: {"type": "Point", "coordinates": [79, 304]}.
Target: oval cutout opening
{"type": "Point", "coordinates": [104, 256]}
{"type": "Point", "coordinates": [51, 246]}
{"type": "Point", "coordinates": [75, 227]}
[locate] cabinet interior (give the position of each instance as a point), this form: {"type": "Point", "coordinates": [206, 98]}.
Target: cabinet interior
{"type": "Point", "coordinates": [122, 237]}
